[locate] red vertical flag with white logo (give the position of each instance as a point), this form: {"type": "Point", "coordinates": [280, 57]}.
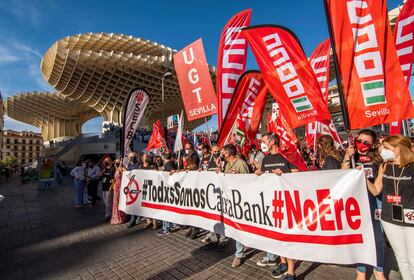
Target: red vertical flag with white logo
{"type": "Point", "coordinates": [319, 61]}
{"type": "Point", "coordinates": [232, 54]}
{"type": "Point", "coordinates": [195, 82]}
{"type": "Point", "coordinates": [248, 104]}
{"type": "Point", "coordinates": [404, 43]}
{"type": "Point", "coordinates": [373, 83]}
{"type": "Point", "coordinates": [288, 141]}
{"type": "Point", "coordinates": [288, 74]}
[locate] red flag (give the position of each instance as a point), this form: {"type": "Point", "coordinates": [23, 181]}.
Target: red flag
{"type": "Point", "coordinates": [195, 82]}
{"type": "Point", "coordinates": [248, 103]}
{"type": "Point", "coordinates": [288, 74]}
{"type": "Point", "coordinates": [288, 141]}
{"type": "Point", "coordinates": [372, 80]}
{"type": "Point", "coordinates": [157, 139]}
{"type": "Point", "coordinates": [319, 61]}
{"type": "Point", "coordinates": [404, 43]}
{"type": "Point", "coordinates": [317, 129]}
{"type": "Point", "coordinates": [232, 54]}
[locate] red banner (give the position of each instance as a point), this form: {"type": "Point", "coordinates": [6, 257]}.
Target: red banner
{"type": "Point", "coordinates": [248, 102]}
{"type": "Point", "coordinates": [373, 83]}
{"type": "Point", "coordinates": [404, 43]}
{"type": "Point", "coordinates": [157, 139]}
{"type": "Point", "coordinates": [232, 54]}
{"type": "Point", "coordinates": [319, 61]}
{"type": "Point", "coordinates": [288, 141]}
{"type": "Point", "coordinates": [288, 74]}
{"type": "Point", "coordinates": [195, 82]}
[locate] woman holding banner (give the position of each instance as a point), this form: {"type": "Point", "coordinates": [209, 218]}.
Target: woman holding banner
{"type": "Point", "coordinates": [118, 217]}
{"type": "Point", "coordinates": [366, 156]}
{"type": "Point", "coordinates": [396, 182]}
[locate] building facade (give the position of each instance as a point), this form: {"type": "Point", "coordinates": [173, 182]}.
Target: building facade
{"type": "Point", "coordinates": [24, 145]}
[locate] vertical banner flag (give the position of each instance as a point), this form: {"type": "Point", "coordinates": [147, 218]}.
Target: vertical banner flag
{"type": "Point", "coordinates": [404, 43]}
{"type": "Point", "coordinates": [287, 73]}
{"type": "Point", "coordinates": [178, 144]}
{"type": "Point", "coordinates": [288, 141]}
{"type": "Point", "coordinates": [319, 61]}
{"type": "Point", "coordinates": [232, 54]}
{"type": "Point", "coordinates": [134, 109]}
{"type": "Point", "coordinates": [195, 82]}
{"type": "Point", "coordinates": [248, 103]}
{"type": "Point", "coordinates": [317, 129]}
{"type": "Point", "coordinates": [373, 83]}
{"type": "Point", "coordinates": [157, 140]}
{"type": "Point", "coordinates": [172, 121]}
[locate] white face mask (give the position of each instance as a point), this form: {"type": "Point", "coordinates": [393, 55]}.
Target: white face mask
{"type": "Point", "coordinates": [264, 147]}
{"type": "Point", "coordinates": [387, 155]}
{"type": "Point", "coordinates": [187, 151]}
{"type": "Point", "coordinates": [200, 153]}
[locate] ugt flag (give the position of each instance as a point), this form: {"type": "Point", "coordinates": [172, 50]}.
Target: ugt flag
{"type": "Point", "coordinates": [195, 81]}
{"type": "Point", "coordinates": [288, 74]}
{"type": "Point", "coordinates": [373, 83]}
{"type": "Point", "coordinates": [232, 54]}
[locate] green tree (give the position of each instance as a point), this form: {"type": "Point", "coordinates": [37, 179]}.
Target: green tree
{"type": "Point", "coordinates": [10, 161]}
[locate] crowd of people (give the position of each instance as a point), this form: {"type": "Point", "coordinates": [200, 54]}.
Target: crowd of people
{"type": "Point", "coordinates": [387, 162]}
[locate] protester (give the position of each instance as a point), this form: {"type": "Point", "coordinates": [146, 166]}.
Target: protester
{"type": "Point", "coordinates": [235, 165]}
{"type": "Point", "coordinates": [189, 150]}
{"type": "Point", "coordinates": [190, 165]}
{"type": "Point", "coordinates": [205, 156]}
{"type": "Point", "coordinates": [118, 217]}
{"type": "Point", "coordinates": [169, 166]}
{"type": "Point", "coordinates": [255, 158]}
{"type": "Point", "coordinates": [107, 176]}
{"type": "Point", "coordinates": [78, 174]}
{"type": "Point", "coordinates": [92, 177]}
{"type": "Point", "coordinates": [274, 162]}
{"type": "Point", "coordinates": [133, 164]}
{"type": "Point", "coordinates": [329, 157]}
{"type": "Point", "coordinates": [396, 182]}
{"type": "Point", "coordinates": [366, 156]}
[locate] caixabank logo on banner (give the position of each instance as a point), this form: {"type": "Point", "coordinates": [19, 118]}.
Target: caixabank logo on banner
{"type": "Point", "coordinates": [268, 212]}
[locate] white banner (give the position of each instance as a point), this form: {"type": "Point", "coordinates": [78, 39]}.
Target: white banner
{"type": "Point", "coordinates": [320, 216]}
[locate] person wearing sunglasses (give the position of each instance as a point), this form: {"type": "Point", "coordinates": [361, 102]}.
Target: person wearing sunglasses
{"type": "Point", "coordinates": [365, 155]}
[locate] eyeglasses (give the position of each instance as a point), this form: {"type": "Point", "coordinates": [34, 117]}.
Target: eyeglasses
{"type": "Point", "coordinates": [364, 142]}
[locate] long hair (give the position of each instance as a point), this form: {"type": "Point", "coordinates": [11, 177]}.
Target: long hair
{"type": "Point", "coordinates": [405, 145]}
{"type": "Point", "coordinates": [326, 147]}
{"type": "Point", "coordinates": [373, 152]}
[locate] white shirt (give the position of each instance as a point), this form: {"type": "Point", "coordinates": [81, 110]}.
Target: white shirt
{"type": "Point", "coordinates": [94, 172]}
{"type": "Point", "coordinates": [78, 172]}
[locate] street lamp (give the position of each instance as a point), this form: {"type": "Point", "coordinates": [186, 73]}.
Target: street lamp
{"type": "Point", "coordinates": [166, 75]}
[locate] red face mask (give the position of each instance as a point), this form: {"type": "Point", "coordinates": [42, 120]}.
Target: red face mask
{"type": "Point", "coordinates": [363, 147]}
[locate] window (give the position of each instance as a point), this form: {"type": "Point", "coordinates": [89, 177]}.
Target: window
{"type": "Point", "coordinates": [8, 141]}
{"type": "Point", "coordinates": [30, 148]}
{"type": "Point", "coordinates": [15, 141]}
{"type": "Point", "coordinates": [24, 142]}
{"type": "Point", "coordinates": [38, 142]}
{"type": "Point", "coordinates": [8, 147]}
{"type": "Point", "coordinates": [37, 148]}
{"type": "Point", "coordinates": [30, 142]}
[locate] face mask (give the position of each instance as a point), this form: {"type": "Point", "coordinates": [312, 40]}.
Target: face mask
{"type": "Point", "coordinates": [264, 147]}
{"type": "Point", "coordinates": [200, 153]}
{"type": "Point", "coordinates": [387, 155]}
{"type": "Point", "coordinates": [187, 151]}
{"type": "Point", "coordinates": [216, 155]}
{"type": "Point", "coordinates": [362, 147]}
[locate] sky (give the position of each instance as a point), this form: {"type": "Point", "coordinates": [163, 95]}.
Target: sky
{"type": "Point", "coordinates": [29, 28]}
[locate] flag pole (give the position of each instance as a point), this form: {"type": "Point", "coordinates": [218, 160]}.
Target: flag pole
{"type": "Point", "coordinates": [337, 71]}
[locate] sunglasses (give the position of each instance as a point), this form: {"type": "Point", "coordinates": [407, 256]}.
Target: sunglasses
{"type": "Point", "coordinates": [364, 142]}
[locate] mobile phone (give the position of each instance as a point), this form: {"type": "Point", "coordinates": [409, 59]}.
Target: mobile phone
{"type": "Point", "coordinates": [397, 213]}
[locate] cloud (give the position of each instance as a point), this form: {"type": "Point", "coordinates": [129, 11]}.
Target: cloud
{"type": "Point", "coordinates": [22, 47]}
{"type": "Point", "coordinates": [8, 56]}
{"type": "Point", "coordinates": [23, 10]}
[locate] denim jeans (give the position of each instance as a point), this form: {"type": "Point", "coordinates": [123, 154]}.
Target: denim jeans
{"type": "Point", "coordinates": [166, 225]}
{"type": "Point", "coordinates": [134, 219]}
{"type": "Point", "coordinates": [376, 203]}
{"type": "Point", "coordinates": [78, 192]}
{"type": "Point", "coordinates": [239, 250]}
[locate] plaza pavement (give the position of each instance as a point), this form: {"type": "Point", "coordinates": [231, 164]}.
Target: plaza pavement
{"type": "Point", "coordinates": [43, 237]}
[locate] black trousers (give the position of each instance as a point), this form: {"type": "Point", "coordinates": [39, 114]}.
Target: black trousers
{"type": "Point", "coordinates": [93, 191]}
